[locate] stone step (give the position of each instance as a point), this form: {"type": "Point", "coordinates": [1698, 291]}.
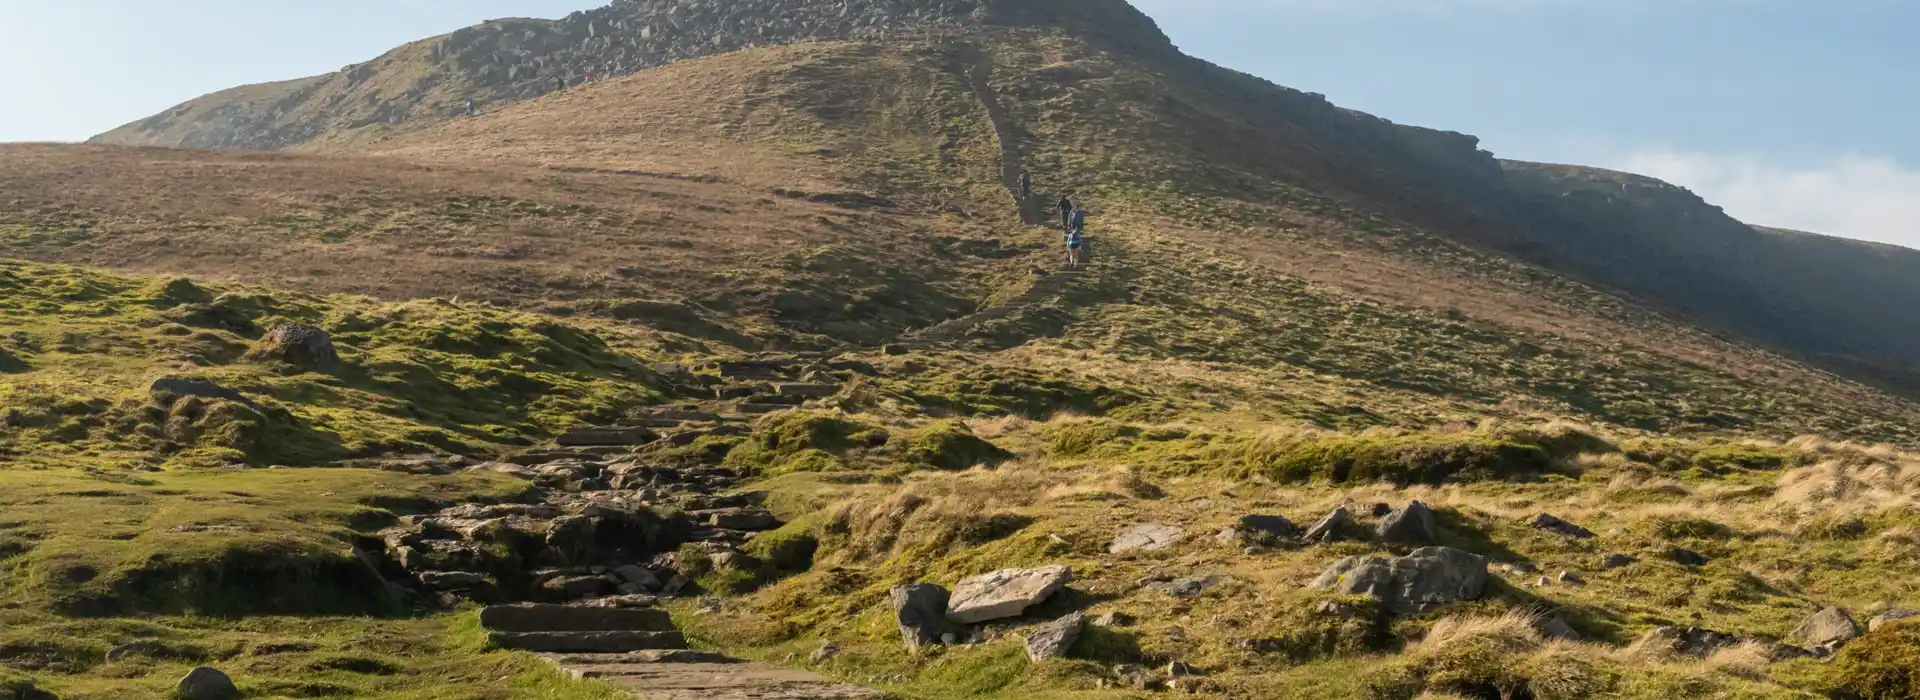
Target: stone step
{"type": "Point", "coordinates": [606, 436]}
{"type": "Point", "coordinates": [726, 681]}
{"type": "Point", "coordinates": [652, 656]}
{"type": "Point", "coordinates": [566, 618]}
{"type": "Point", "coordinates": [587, 642]}
{"type": "Point", "coordinates": [781, 399]}
{"type": "Point", "coordinates": [811, 391]}
{"type": "Point", "coordinates": [544, 456]}
{"type": "Point", "coordinates": [650, 422]}
{"type": "Point", "coordinates": [760, 408]}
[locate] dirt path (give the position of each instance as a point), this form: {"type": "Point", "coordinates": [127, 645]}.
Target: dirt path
{"type": "Point", "coordinates": [709, 678]}
{"type": "Point", "coordinates": [1012, 160]}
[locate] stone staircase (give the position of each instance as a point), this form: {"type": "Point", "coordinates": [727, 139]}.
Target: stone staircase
{"type": "Point", "coordinates": [955, 330]}
{"type": "Point", "coordinates": [638, 650]}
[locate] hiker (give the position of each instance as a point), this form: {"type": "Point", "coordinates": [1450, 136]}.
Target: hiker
{"type": "Point", "coordinates": [1066, 214]}
{"type": "Point", "coordinates": [1075, 243]}
{"type": "Point", "coordinates": [589, 74]}
{"type": "Point", "coordinates": [559, 83]}
{"type": "Point", "coordinates": [1026, 186]}
{"type": "Point", "coordinates": [469, 108]}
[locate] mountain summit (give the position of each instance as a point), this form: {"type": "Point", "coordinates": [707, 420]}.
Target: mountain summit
{"type": "Point", "coordinates": [509, 60]}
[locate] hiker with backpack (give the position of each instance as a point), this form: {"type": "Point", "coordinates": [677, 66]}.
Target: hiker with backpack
{"type": "Point", "coordinates": [1026, 186]}
{"type": "Point", "coordinates": [1066, 214]}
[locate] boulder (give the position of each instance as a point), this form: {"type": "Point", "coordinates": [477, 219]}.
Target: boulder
{"type": "Point", "coordinates": [571, 538]}
{"type": "Point", "coordinates": [1556, 627]}
{"type": "Point", "coordinates": [1892, 616]}
{"type": "Point", "coordinates": [1006, 593]}
{"type": "Point", "coordinates": [1426, 579]}
{"type": "Point", "coordinates": [1145, 537]}
{"type": "Point", "coordinates": [1572, 578]}
{"type": "Point", "coordinates": [1331, 528]}
{"type": "Point", "coordinates": [1055, 638]}
{"type": "Point", "coordinates": [1412, 525]}
{"type": "Point", "coordinates": [1831, 627]}
{"type": "Point", "coordinates": [300, 346]}
{"type": "Point", "coordinates": [920, 610]}
{"type": "Point", "coordinates": [1550, 523]}
{"type": "Point", "coordinates": [206, 684]}
{"type": "Point", "coordinates": [452, 580]}
{"type": "Point", "coordinates": [1616, 561]}
{"type": "Point", "coordinates": [1114, 619]}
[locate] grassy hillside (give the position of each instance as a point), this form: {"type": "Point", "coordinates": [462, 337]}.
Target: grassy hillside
{"type": "Point", "coordinates": [1292, 307]}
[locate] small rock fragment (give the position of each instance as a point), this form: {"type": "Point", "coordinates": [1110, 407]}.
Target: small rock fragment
{"type": "Point", "coordinates": [1550, 523]}
{"type": "Point", "coordinates": [1616, 561]}
{"type": "Point", "coordinates": [1145, 537]}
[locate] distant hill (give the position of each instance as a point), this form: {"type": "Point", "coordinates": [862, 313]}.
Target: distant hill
{"type": "Point", "coordinates": [884, 100]}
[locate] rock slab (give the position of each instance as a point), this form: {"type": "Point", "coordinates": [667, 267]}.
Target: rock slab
{"type": "Point", "coordinates": [1145, 537]}
{"type": "Point", "coordinates": [1006, 593]}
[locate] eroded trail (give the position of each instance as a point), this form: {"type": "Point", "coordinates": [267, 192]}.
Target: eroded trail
{"type": "Point", "coordinates": [1006, 131]}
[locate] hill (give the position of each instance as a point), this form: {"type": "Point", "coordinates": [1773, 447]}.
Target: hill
{"type": "Point", "coordinates": [743, 343]}
{"type": "Point", "coordinates": [1218, 132]}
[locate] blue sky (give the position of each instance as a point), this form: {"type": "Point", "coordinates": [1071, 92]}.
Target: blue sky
{"type": "Point", "coordinates": [1795, 113]}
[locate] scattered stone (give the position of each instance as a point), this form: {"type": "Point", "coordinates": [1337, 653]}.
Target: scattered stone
{"type": "Point", "coordinates": [147, 647]}
{"type": "Point", "coordinates": [1179, 669]}
{"type": "Point", "coordinates": [1256, 551]}
{"type": "Point", "coordinates": [1549, 523]}
{"type": "Point", "coordinates": [1114, 619]}
{"type": "Point", "coordinates": [1617, 561]}
{"type": "Point", "coordinates": [1379, 510]}
{"type": "Point", "coordinates": [624, 601]}
{"type": "Point", "coordinates": [1145, 537]}
{"type": "Point", "coordinates": [1055, 638]}
{"type": "Point", "coordinates": [1137, 678]}
{"type": "Point", "coordinates": [1182, 587]}
{"type": "Point", "coordinates": [1331, 528]}
{"type": "Point", "coordinates": [452, 580]}
{"type": "Point", "coordinates": [607, 436]}
{"type": "Point", "coordinates": [1006, 593]}
{"type": "Point", "coordinates": [920, 610]}
{"type": "Point", "coordinates": [1687, 641]}
{"type": "Point", "coordinates": [1556, 627]}
{"type": "Point", "coordinates": [1426, 579]}
{"type": "Point", "coordinates": [1892, 616]}
{"type": "Point", "coordinates": [1688, 557]}
{"type": "Point", "coordinates": [300, 346]}
{"type": "Point", "coordinates": [639, 576]}
{"type": "Point", "coordinates": [676, 584]}
{"type": "Point", "coordinates": [1831, 627]}
{"type": "Point", "coordinates": [1227, 536]}
{"type": "Point", "coordinates": [1519, 568]}
{"type": "Point", "coordinates": [206, 684]}
{"type": "Point", "coordinates": [748, 519]}
{"type": "Point", "coordinates": [1572, 578]}
{"type": "Point", "coordinates": [826, 651]}
{"type": "Point", "coordinates": [1263, 527]}
{"type": "Point", "coordinates": [1412, 525]}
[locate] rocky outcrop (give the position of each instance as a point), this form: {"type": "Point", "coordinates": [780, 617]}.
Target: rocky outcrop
{"type": "Point", "coordinates": [1429, 578]}
{"type": "Point", "coordinates": [1335, 526]}
{"type": "Point", "coordinates": [1004, 594]}
{"type": "Point", "coordinates": [1892, 616]}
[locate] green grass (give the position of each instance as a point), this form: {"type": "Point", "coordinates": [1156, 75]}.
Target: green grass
{"type": "Point", "coordinates": [415, 377]}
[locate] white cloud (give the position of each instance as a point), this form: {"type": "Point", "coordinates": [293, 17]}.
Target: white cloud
{"type": "Point", "coordinates": [1865, 197]}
